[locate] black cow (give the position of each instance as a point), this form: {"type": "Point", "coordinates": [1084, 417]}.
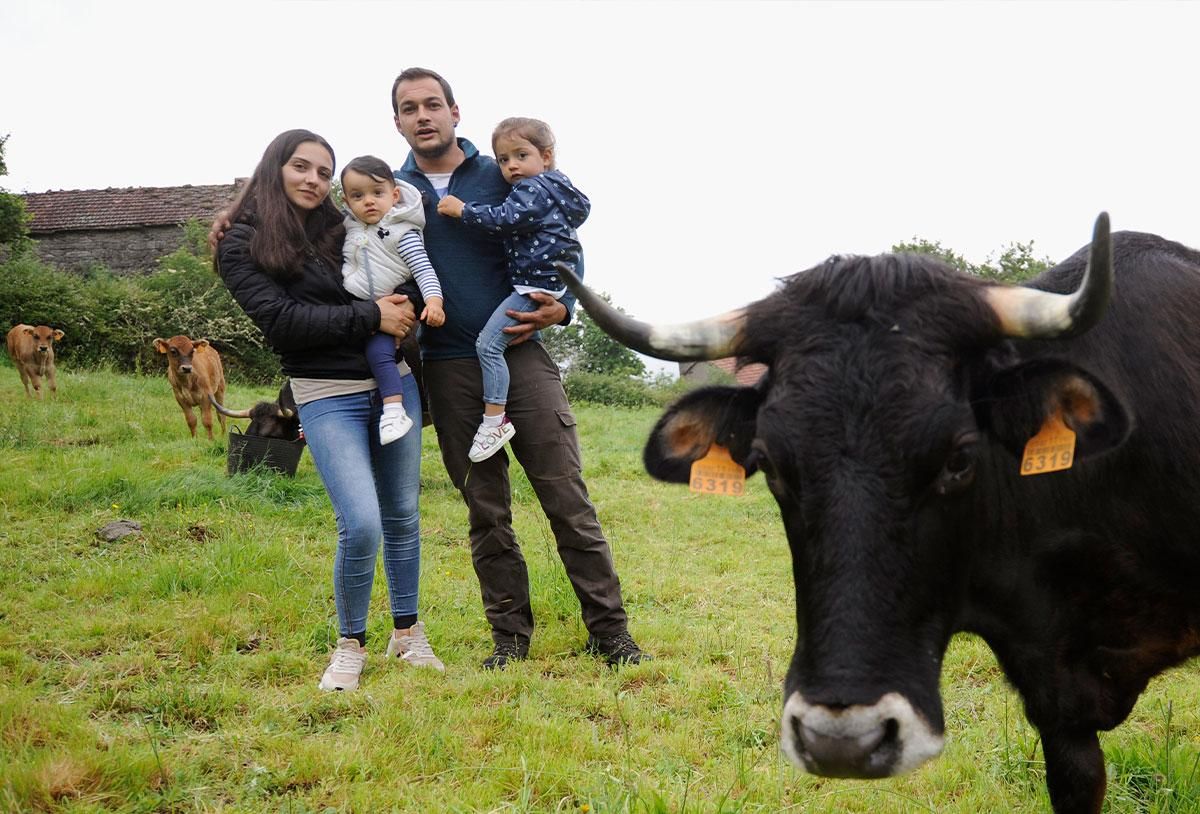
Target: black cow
{"type": "Point", "coordinates": [891, 427]}
{"type": "Point", "coordinates": [270, 419]}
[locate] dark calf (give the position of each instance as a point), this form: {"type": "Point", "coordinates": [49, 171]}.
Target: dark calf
{"type": "Point", "coordinates": [270, 419]}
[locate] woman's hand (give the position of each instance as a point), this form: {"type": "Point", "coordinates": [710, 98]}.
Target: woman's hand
{"type": "Point", "coordinates": [396, 315]}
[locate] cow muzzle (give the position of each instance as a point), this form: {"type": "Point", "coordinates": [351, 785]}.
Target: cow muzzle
{"type": "Point", "coordinates": [882, 739]}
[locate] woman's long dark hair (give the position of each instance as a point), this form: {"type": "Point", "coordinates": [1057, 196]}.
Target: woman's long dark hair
{"type": "Point", "coordinates": [280, 241]}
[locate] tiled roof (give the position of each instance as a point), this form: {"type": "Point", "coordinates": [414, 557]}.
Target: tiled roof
{"type": "Point", "coordinates": [127, 208]}
{"type": "Point", "coordinates": [745, 376]}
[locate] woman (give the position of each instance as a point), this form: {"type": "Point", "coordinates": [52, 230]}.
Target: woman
{"type": "Point", "coordinates": [281, 259]}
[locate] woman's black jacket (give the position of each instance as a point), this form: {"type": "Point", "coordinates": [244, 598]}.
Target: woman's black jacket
{"type": "Point", "coordinates": [315, 326]}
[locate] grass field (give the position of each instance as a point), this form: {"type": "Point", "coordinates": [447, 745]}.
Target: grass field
{"type": "Point", "coordinates": [176, 670]}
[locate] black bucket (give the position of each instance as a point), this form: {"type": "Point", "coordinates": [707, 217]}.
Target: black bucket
{"type": "Point", "coordinates": [277, 454]}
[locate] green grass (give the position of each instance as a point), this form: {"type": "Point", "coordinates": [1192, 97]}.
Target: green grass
{"type": "Point", "coordinates": [176, 670]}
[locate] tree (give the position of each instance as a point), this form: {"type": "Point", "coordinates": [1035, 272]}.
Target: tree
{"type": "Point", "coordinates": [14, 218]}
{"type": "Point", "coordinates": [584, 347]}
{"type": "Point", "coordinates": [1016, 263]}
{"type": "Point", "coordinates": [600, 353]}
{"type": "Point", "coordinates": [934, 248]}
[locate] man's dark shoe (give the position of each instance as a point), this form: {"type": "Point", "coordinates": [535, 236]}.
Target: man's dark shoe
{"type": "Point", "coordinates": [509, 648]}
{"type": "Point", "coordinates": [617, 650]}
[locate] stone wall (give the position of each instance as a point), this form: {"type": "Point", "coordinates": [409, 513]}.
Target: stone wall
{"type": "Point", "coordinates": [124, 251]}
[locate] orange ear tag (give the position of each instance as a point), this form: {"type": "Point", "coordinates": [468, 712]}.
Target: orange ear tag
{"type": "Point", "coordinates": [718, 474]}
{"type": "Point", "coordinates": [1052, 449]}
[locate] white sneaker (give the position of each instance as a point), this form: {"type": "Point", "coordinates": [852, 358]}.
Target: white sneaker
{"type": "Point", "coordinates": [345, 666]}
{"type": "Point", "coordinates": [413, 648]}
{"type": "Point", "coordinates": [394, 426]}
{"type": "Point", "coordinates": [489, 440]}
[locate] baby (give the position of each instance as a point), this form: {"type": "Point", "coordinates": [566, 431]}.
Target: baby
{"type": "Point", "coordinates": [384, 249]}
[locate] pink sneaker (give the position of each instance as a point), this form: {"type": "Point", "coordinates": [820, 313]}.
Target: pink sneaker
{"type": "Point", "coordinates": [345, 666]}
{"type": "Point", "coordinates": [413, 648]}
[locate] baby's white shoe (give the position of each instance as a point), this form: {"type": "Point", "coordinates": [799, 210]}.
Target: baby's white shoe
{"type": "Point", "coordinates": [393, 426]}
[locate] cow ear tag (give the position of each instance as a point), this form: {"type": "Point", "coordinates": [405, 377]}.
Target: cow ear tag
{"type": "Point", "coordinates": [1052, 449]}
{"type": "Point", "coordinates": [718, 474]}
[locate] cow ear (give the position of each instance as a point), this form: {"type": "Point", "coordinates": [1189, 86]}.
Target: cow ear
{"type": "Point", "coordinates": [722, 415]}
{"type": "Point", "coordinates": [200, 343]}
{"type": "Point", "coordinates": [58, 335]}
{"type": "Point", "coordinates": [29, 330]}
{"type": "Point", "coordinates": [160, 345]}
{"type": "Point", "coordinates": [1020, 399]}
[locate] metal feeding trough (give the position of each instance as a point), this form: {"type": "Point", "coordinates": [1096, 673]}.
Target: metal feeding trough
{"type": "Point", "coordinates": [249, 451]}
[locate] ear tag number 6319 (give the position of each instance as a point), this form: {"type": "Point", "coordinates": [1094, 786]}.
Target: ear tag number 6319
{"type": "Point", "coordinates": [1051, 450]}
{"type": "Point", "coordinates": [718, 474]}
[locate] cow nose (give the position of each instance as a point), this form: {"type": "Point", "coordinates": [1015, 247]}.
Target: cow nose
{"type": "Point", "coordinates": [185, 368]}
{"type": "Point", "coordinates": [879, 739]}
{"type": "Point", "coordinates": [867, 752]}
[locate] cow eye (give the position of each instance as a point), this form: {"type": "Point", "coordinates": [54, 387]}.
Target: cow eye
{"type": "Point", "coordinates": [959, 470]}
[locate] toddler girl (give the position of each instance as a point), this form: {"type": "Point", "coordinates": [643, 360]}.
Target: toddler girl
{"type": "Point", "coordinates": [537, 222]}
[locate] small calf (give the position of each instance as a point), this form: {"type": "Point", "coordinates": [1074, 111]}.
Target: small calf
{"type": "Point", "coordinates": [32, 351]}
{"type": "Point", "coordinates": [195, 373]}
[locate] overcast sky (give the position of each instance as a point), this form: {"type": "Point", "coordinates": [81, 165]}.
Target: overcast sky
{"type": "Point", "coordinates": [722, 144]}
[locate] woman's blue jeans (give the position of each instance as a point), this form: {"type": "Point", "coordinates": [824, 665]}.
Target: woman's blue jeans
{"type": "Point", "coordinates": [374, 490]}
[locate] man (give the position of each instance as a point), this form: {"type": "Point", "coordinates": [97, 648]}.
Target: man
{"type": "Point", "coordinates": [471, 268]}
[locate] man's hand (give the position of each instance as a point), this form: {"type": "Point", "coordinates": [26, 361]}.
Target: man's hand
{"type": "Point", "coordinates": [433, 315]}
{"type": "Point", "coordinates": [396, 315]}
{"type": "Point", "coordinates": [217, 230]}
{"type": "Point", "coordinates": [450, 206]}
{"type": "Point", "coordinates": [549, 312]}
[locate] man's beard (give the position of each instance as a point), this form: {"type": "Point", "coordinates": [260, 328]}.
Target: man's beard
{"type": "Point", "coordinates": [435, 151]}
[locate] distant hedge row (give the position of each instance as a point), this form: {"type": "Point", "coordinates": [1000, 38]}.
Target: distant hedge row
{"type": "Point", "coordinates": [112, 320]}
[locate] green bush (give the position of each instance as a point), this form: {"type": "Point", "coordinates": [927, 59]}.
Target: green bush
{"type": "Point", "coordinates": [36, 294]}
{"type": "Point", "coordinates": [621, 391]}
{"type": "Point", "coordinates": [195, 302]}
{"type": "Point", "coordinates": [116, 326]}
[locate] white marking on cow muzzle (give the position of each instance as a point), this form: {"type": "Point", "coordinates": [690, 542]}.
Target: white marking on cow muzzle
{"type": "Point", "coordinates": [882, 739]}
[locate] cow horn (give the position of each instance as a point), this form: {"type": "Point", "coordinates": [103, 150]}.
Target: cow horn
{"type": "Point", "coordinates": [284, 412]}
{"type": "Point", "coordinates": [225, 411]}
{"type": "Point", "coordinates": [712, 338]}
{"type": "Point", "coordinates": [1027, 313]}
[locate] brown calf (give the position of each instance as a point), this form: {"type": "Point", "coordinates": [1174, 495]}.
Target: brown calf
{"type": "Point", "coordinates": [32, 351]}
{"type": "Point", "coordinates": [195, 373]}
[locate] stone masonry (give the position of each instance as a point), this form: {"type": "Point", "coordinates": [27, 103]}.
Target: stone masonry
{"type": "Point", "coordinates": [125, 230]}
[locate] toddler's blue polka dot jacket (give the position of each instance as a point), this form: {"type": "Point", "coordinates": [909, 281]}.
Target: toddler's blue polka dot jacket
{"type": "Point", "coordinates": [537, 221]}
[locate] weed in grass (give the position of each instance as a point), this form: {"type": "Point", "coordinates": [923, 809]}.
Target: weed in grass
{"type": "Point", "coordinates": [1021, 763]}
{"type": "Point", "coordinates": [1151, 772]}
